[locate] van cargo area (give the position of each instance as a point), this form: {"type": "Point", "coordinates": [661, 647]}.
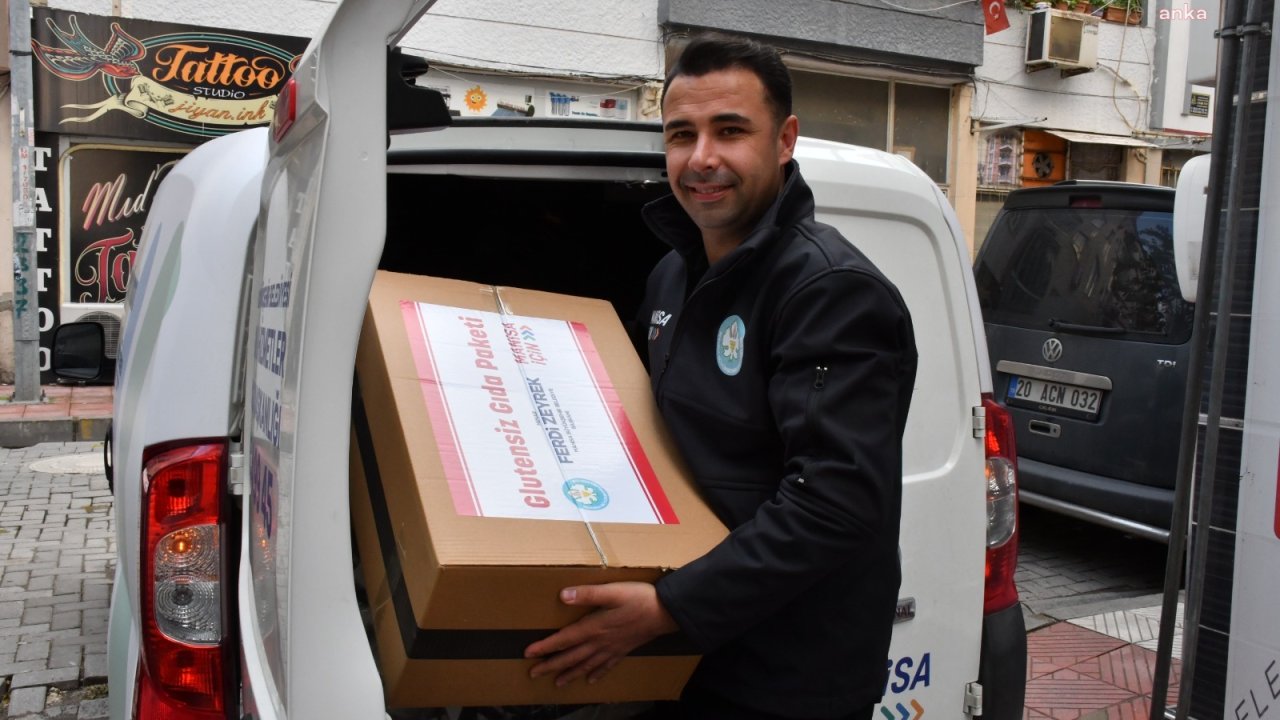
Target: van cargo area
{"type": "Point", "coordinates": [579, 237]}
{"type": "Point", "coordinates": [574, 237]}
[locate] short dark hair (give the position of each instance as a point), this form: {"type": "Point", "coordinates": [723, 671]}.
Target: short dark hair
{"type": "Point", "coordinates": [712, 52]}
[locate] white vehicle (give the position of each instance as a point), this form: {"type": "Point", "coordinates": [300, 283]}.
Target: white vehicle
{"type": "Point", "coordinates": [235, 594]}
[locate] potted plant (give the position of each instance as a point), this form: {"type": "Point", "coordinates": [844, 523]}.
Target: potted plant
{"type": "Point", "coordinates": [1083, 6]}
{"type": "Point", "coordinates": [1124, 11]}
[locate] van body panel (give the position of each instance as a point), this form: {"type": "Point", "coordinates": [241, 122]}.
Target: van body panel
{"type": "Point", "coordinates": [183, 299]}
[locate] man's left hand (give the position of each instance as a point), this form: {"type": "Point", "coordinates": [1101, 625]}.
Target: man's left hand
{"type": "Point", "coordinates": [627, 615]}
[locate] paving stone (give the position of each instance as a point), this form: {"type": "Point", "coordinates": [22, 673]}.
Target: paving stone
{"type": "Point", "coordinates": [65, 621]}
{"type": "Point", "coordinates": [11, 609]}
{"type": "Point", "coordinates": [37, 615]}
{"type": "Point", "coordinates": [65, 678]}
{"type": "Point", "coordinates": [96, 708]}
{"type": "Point", "coordinates": [32, 650]}
{"type": "Point", "coordinates": [95, 666]}
{"type": "Point", "coordinates": [26, 701]}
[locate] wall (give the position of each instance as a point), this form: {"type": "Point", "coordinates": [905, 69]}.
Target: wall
{"type": "Point", "coordinates": [1113, 99]}
{"type": "Point", "coordinates": [615, 39]}
{"type": "Point", "coordinates": [917, 31]}
{"type": "Point", "coordinates": [1186, 27]}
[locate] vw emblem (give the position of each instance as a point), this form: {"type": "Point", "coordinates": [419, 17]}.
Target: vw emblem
{"type": "Point", "coordinates": [1052, 349]}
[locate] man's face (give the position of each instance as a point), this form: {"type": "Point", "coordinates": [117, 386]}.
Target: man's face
{"type": "Point", "coordinates": [725, 151]}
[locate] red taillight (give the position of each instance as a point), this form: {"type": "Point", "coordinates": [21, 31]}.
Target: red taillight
{"type": "Point", "coordinates": [185, 669]}
{"type": "Point", "coordinates": [286, 110]}
{"type": "Point", "coordinates": [1085, 201]}
{"type": "Point", "coordinates": [1002, 509]}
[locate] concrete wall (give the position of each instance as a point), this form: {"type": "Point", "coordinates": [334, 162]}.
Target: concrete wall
{"type": "Point", "coordinates": [946, 37]}
{"type": "Point", "coordinates": [1113, 99]}
{"type": "Point", "coordinates": [1186, 29]}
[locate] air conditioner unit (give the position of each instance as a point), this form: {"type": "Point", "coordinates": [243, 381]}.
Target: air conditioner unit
{"type": "Point", "coordinates": [109, 316]}
{"type": "Point", "coordinates": [1062, 39]}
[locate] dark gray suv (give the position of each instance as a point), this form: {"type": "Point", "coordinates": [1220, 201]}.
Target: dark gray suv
{"type": "Point", "coordinates": [1089, 338]}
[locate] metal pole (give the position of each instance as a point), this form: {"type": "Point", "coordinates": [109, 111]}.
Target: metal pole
{"type": "Point", "coordinates": [26, 304]}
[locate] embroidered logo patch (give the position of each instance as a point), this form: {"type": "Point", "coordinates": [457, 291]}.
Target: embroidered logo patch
{"type": "Point", "coordinates": [586, 494]}
{"type": "Point", "coordinates": [657, 321]}
{"type": "Point", "coordinates": [729, 345]}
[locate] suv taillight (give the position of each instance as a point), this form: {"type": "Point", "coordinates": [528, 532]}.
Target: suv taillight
{"type": "Point", "coordinates": [186, 669]}
{"type": "Point", "coordinates": [1002, 509]}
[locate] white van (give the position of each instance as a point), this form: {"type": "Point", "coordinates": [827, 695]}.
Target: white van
{"type": "Point", "coordinates": [235, 594]}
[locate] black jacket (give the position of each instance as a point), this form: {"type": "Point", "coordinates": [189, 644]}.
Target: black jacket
{"type": "Point", "coordinates": [785, 373]}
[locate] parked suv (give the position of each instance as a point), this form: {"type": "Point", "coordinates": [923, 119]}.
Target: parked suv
{"type": "Point", "coordinates": [1089, 340]}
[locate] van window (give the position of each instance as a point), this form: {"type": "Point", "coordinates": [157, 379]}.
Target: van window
{"type": "Point", "coordinates": [1108, 270]}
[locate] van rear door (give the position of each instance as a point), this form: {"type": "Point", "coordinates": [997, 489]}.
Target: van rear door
{"type": "Point", "coordinates": [895, 215]}
{"type": "Point", "coordinates": [1089, 340]}
{"type": "Point", "coordinates": [318, 240]}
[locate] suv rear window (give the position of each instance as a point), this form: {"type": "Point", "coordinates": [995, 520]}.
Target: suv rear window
{"type": "Point", "coordinates": [1108, 271]}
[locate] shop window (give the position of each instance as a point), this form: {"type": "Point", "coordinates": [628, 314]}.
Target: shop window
{"type": "Point", "coordinates": [845, 109]}
{"type": "Point", "coordinates": [1096, 162]}
{"type": "Point", "coordinates": [1171, 162]}
{"type": "Point", "coordinates": [920, 122]}
{"type": "Point", "coordinates": [1000, 163]}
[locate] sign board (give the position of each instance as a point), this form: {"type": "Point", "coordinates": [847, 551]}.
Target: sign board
{"type": "Point", "coordinates": [121, 77]}
{"type": "Point", "coordinates": [108, 191]}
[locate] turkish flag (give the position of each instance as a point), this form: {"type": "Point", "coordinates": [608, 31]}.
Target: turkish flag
{"type": "Point", "coordinates": [994, 15]}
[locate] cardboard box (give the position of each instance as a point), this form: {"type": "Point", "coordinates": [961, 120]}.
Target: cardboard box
{"type": "Point", "coordinates": [506, 445]}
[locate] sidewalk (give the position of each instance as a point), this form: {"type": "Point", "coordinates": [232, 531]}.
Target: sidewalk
{"type": "Point", "coordinates": [57, 563]}
{"type": "Point", "coordinates": [1100, 666]}
{"type": "Point", "coordinates": [68, 413]}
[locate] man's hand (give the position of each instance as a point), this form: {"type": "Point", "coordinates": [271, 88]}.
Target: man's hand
{"type": "Point", "coordinates": [628, 615]}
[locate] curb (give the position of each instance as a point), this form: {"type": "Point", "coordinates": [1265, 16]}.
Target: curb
{"type": "Point", "coordinates": [24, 433]}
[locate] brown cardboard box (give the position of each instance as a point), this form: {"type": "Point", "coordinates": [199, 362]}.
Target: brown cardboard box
{"type": "Point", "coordinates": [480, 489]}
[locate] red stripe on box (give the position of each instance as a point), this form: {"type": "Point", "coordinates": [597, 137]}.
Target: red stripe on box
{"type": "Point", "coordinates": [465, 500]}
{"type": "Point", "coordinates": [622, 427]}
{"type": "Point", "coordinates": [1277, 520]}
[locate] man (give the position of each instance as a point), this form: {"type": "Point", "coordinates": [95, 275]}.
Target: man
{"type": "Point", "coordinates": [784, 373]}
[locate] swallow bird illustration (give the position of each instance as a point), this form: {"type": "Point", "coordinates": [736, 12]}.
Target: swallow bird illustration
{"type": "Point", "coordinates": [82, 59]}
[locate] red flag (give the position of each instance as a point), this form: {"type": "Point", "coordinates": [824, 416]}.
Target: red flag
{"type": "Point", "coordinates": [994, 15]}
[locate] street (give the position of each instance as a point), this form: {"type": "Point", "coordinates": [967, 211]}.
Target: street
{"type": "Point", "coordinates": [1068, 568]}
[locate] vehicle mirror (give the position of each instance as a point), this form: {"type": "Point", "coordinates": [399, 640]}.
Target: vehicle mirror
{"type": "Point", "coordinates": [1188, 223]}
{"type": "Point", "coordinates": [79, 353]}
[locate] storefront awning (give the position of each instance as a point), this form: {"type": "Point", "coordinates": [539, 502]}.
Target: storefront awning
{"type": "Point", "coordinates": [1095, 138]}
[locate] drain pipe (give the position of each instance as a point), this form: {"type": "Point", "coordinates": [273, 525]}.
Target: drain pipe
{"type": "Point", "coordinates": [1235, 64]}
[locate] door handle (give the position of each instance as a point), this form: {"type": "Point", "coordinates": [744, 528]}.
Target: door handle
{"type": "Point", "coordinates": [1043, 427]}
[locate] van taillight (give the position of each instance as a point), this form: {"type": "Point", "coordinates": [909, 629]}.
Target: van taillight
{"type": "Point", "coordinates": [1086, 201]}
{"type": "Point", "coordinates": [186, 669]}
{"type": "Point", "coordinates": [286, 110]}
{"type": "Point", "coordinates": [1002, 508]}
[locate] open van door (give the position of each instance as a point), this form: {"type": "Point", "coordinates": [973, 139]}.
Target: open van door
{"type": "Point", "coordinates": [316, 248]}
{"type": "Point", "coordinates": [1188, 223]}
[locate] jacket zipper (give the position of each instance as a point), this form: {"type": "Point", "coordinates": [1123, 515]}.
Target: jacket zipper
{"type": "Point", "coordinates": [675, 336]}
{"type": "Point", "coordinates": [810, 410]}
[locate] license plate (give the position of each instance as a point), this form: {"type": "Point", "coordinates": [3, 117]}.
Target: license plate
{"type": "Point", "coordinates": [1056, 398]}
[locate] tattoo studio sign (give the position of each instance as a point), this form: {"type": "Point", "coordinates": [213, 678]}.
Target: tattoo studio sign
{"type": "Point", "coordinates": [109, 191]}
{"type": "Point", "coordinates": [139, 79]}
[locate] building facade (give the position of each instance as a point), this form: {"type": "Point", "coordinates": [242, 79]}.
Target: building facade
{"type": "Point", "coordinates": [1090, 95]}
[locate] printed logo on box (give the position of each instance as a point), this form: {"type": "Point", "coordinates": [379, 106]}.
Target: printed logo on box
{"type": "Point", "coordinates": [586, 494]}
